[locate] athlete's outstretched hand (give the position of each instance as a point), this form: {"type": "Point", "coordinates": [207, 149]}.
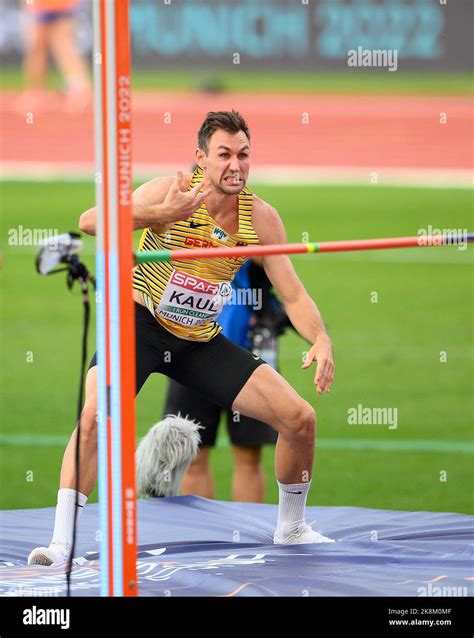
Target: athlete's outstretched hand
{"type": "Point", "coordinates": [321, 352]}
{"type": "Point", "coordinates": [180, 203]}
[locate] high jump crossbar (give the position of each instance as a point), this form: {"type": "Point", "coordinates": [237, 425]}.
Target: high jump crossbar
{"type": "Point", "coordinates": [145, 256]}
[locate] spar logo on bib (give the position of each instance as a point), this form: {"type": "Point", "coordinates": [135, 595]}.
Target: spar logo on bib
{"type": "Point", "coordinates": [191, 301]}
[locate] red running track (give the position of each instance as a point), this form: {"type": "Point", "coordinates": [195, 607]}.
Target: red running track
{"type": "Point", "coordinates": [373, 132]}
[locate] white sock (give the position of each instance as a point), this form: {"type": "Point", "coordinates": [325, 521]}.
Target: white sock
{"type": "Point", "coordinates": [64, 521]}
{"type": "Point", "coordinates": [291, 507]}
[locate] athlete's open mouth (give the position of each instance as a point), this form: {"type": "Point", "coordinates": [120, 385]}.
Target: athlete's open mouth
{"type": "Point", "coordinates": [233, 180]}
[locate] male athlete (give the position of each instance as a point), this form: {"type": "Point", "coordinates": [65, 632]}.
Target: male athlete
{"type": "Point", "coordinates": [176, 309]}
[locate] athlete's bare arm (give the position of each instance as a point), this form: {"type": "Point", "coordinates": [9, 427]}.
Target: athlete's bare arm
{"type": "Point", "coordinates": [157, 204]}
{"type": "Point", "coordinates": [301, 309]}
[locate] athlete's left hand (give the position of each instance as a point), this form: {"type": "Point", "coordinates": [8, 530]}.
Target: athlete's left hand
{"type": "Point", "coordinates": [321, 352]}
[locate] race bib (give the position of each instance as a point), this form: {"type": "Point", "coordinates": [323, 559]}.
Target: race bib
{"type": "Point", "coordinates": [191, 301]}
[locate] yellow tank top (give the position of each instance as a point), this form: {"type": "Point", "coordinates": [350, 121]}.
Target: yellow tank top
{"type": "Point", "coordinates": [186, 296]}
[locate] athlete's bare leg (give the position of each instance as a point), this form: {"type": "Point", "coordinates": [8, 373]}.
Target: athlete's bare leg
{"type": "Point", "coordinates": [88, 445]}
{"type": "Point", "coordinates": [198, 479]}
{"type": "Point", "coordinates": [72, 64]}
{"type": "Point", "coordinates": [248, 484]}
{"type": "Point", "coordinates": [68, 498]}
{"type": "Point", "coordinates": [269, 398]}
{"type": "Point", "coordinates": [35, 59]}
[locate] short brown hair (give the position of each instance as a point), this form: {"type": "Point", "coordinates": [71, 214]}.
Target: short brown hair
{"type": "Point", "coordinates": [230, 121]}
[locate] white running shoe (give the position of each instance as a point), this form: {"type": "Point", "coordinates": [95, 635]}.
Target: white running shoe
{"type": "Point", "coordinates": [306, 534]}
{"type": "Point", "coordinates": [55, 553]}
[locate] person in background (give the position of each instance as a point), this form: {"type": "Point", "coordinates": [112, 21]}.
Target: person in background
{"type": "Point", "coordinates": [51, 29]}
{"type": "Point", "coordinates": [255, 326]}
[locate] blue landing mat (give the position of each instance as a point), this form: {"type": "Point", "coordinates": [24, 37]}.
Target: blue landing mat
{"type": "Point", "coordinates": [191, 546]}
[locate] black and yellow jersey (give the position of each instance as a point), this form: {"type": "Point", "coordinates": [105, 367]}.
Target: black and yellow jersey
{"type": "Point", "coordinates": [186, 296]}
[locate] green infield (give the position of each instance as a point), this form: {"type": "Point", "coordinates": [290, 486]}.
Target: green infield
{"type": "Point", "coordinates": [401, 321]}
{"type": "Point", "coordinates": [360, 82]}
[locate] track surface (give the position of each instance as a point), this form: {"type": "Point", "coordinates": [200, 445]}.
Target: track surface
{"type": "Point", "coordinates": [360, 132]}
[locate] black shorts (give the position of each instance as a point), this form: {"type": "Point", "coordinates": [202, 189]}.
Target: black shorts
{"type": "Point", "coordinates": [242, 429]}
{"type": "Point", "coordinates": [217, 369]}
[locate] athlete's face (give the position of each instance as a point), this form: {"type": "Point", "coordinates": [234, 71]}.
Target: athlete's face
{"type": "Point", "coordinates": [227, 162]}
